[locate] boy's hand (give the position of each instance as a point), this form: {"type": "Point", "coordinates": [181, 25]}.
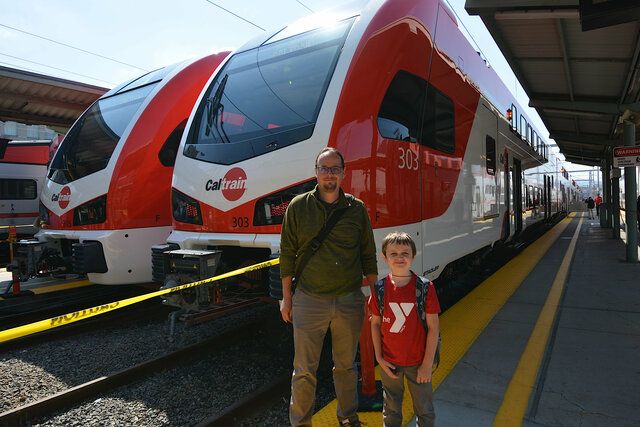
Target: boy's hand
{"type": "Point", "coordinates": [389, 368]}
{"type": "Point", "coordinates": [424, 373]}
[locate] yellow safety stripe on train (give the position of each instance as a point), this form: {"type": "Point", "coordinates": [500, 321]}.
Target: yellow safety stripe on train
{"type": "Point", "coordinates": [64, 319]}
{"type": "Point", "coordinates": [16, 226]}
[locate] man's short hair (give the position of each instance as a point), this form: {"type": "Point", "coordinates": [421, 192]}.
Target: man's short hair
{"type": "Point", "coordinates": [399, 238]}
{"type": "Point", "coordinates": [330, 150]}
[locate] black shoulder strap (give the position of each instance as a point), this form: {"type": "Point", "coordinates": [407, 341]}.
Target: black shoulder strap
{"type": "Point", "coordinates": [422, 287]}
{"type": "Point", "coordinates": [378, 289]}
{"type": "Point", "coordinates": [315, 243]}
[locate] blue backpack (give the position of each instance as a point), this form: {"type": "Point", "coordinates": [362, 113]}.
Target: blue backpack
{"type": "Point", "coordinates": [422, 287]}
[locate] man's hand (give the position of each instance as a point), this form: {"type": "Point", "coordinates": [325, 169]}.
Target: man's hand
{"type": "Point", "coordinates": [285, 309]}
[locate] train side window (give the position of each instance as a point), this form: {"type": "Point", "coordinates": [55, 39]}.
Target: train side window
{"type": "Point", "coordinates": [491, 155]}
{"type": "Point", "coordinates": [438, 130]}
{"type": "Point", "coordinates": [169, 150]}
{"type": "Point", "coordinates": [399, 114]}
{"type": "Point", "coordinates": [18, 189]}
{"type": "Point", "coordinates": [534, 138]}
{"type": "Point", "coordinates": [523, 127]}
{"type": "Point", "coordinates": [514, 117]}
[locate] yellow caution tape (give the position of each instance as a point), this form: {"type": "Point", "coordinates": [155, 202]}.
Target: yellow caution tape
{"type": "Point", "coordinates": [64, 319]}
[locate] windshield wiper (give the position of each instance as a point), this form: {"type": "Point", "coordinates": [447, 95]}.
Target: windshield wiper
{"type": "Point", "coordinates": [215, 109]}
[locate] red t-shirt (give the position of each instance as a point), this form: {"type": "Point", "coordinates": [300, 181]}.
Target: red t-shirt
{"type": "Point", "coordinates": [403, 336]}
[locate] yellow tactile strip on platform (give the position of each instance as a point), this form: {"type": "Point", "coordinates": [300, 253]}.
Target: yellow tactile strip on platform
{"type": "Point", "coordinates": [461, 324]}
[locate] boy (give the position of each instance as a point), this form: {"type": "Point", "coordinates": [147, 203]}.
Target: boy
{"type": "Point", "coordinates": [402, 346]}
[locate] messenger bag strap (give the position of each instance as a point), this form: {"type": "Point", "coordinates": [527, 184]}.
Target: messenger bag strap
{"type": "Point", "coordinates": [315, 243]}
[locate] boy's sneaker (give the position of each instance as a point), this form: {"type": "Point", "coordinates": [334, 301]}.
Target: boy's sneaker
{"type": "Point", "coordinates": [348, 423]}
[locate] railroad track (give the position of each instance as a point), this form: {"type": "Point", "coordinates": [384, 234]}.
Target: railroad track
{"type": "Point", "coordinates": [65, 399]}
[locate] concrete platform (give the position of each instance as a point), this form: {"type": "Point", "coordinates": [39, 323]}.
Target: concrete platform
{"type": "Point", "coordinates": [43, 285]}
{"type": "Point", "coordinates": [588, 374]}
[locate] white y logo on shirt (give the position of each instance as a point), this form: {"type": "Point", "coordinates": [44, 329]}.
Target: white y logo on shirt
{"type": "Point", "coordinates": [400, 311]}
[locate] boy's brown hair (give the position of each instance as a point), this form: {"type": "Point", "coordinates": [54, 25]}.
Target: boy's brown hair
{"type": "Point", "coordinates": [399, 238]}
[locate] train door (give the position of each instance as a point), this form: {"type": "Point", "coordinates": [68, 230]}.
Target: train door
{"type": "Point", "coordinates": [489, 123]}
{"type": "Point", "coordinates": [506, 222]}
{"type": "Point", "coordinates": [517, 194]}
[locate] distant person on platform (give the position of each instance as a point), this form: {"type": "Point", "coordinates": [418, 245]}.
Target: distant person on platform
{"type": "Point", "coordinates": [598, 202]}
{"type": "Point", "coordinates": [327, 294]}
{"type": "Point", "coordinates": [591, 204]}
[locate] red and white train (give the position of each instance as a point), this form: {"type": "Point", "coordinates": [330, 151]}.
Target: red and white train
{"type": "Point", "coordinates": [434, 143]}
{"type": "Point", "coordinates": [23, 167]}
{"type": "Point", "coordinates": [106, 198]}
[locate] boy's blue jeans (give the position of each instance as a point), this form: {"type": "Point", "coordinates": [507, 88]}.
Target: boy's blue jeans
{"type": "Point", "coordinates": [421, 395]}
{"type": "Point", "coordinates": [312, 316]}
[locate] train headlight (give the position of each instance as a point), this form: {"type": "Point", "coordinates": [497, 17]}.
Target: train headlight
{"type": "Point", "coordinates": [270, 209]}
{"type": "Point", "coordinates": [44, 215]}
{"type": "Point", "coordinates": [185, 209]}
{"type": "Point", "coordinates": [93, 212]}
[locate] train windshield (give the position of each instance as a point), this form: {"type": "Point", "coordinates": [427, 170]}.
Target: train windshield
{"type": "Point", "coordinates": [90, 142]}
{"type": "Point", "coordinates": [266, 98]}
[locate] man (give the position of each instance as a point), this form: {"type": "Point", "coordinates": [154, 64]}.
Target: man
{"type": "Point", "coordinates": [598, 202]}
{"type": "Point", "coordinates": [327, 294]}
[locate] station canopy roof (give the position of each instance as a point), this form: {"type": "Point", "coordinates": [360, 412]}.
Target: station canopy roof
{"type": "Point", "coordinates": [578, 62]}
{"type": "Point", "coordinates": [37, 99]}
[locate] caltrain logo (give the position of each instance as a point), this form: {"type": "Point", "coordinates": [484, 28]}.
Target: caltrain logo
{"type": "Point", "coordinates": [63, 198]}
{"type": "Point", "coordinates": [233, 185]}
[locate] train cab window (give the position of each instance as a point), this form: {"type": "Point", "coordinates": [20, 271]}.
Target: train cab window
{"type": "Point", "coordinates": [399, 114]}
{"type": "Point", "coordinates": [491, 155]}
{"type": "Point", "coordinates": [438, 129]}
{"type": "Point", "coordinates": [266, 98]}
{"type": "Point", "coordinates": [92, 139]}
{"type": "Point", "coordinates": [18, 189]}
{"type": "Point", "coordinates": [523, 127]}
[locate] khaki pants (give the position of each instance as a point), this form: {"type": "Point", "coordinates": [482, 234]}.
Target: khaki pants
{"type": "Point", "coordinates": [312, 316]}
{"type": "Point", "coordinates": [421, 395]}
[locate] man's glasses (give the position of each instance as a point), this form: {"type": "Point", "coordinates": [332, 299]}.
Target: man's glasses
{"type": "Point", "coordinates": [326, 171]}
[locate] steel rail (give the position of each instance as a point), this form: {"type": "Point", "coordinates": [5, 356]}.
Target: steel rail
{"type": "Point", "coordinates": [77, 394]}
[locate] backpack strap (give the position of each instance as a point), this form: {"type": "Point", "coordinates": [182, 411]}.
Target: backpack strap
{"type": "Point", "coordinates": [378, 289]}
{"type": "Point", "coordinates": [422, 287]}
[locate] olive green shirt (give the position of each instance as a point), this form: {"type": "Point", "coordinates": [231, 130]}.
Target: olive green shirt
{"type": "Point", "coordinates": [348, 252]}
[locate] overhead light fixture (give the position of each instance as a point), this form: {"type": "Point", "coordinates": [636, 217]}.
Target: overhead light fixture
{"type": "Point", "coordinates": [631, 116]}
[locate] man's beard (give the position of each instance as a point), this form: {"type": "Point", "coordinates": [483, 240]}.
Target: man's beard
{"type": "Point", "coordinates": [330, 187]}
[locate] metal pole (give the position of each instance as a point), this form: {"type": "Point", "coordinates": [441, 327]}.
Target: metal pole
{"type": "Point", "coordinates": [630, 197]}
{"type": "Point", "coordinates": [606, 194]}
{"type": "Point", "coordinates": [615, 202]}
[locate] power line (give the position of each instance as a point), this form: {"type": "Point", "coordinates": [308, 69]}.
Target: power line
{"type": "Point", "coordinates": [73, 47]}
{"type": "Point", "coordinates": [237, 16]}
{"type": "Point", "coordinates": [305, 6]}
{"type": "Point", "coordinates": [55, 68]}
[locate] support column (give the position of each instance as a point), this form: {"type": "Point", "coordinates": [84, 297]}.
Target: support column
{"type": "Point", "coordinates": [630, 197]}
{"type": "Point", "coordinates": [605, 208]}
{"type": "Point", "coordinates": [615, 202]}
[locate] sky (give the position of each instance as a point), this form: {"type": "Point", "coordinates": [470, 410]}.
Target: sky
{"type": "Point", "coordinates": [128, 38]}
